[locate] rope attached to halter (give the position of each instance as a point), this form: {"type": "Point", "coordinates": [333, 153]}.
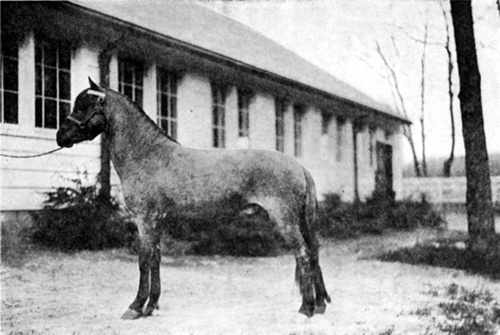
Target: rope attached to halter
{"type": "Point", "coordinates": [31, 156]}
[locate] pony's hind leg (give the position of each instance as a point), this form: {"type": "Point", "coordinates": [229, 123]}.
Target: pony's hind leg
{"type": "Point", "coordinates": [319, 285]}
{"type": "Point", "coordinates": [305, 279]}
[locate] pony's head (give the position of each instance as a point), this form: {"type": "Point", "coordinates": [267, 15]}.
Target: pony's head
{"type": "Point", "coordinates": [87, 119]}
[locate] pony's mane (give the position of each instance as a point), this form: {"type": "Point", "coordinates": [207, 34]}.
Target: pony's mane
{"type": "Point", "coordinates": [145, 116]}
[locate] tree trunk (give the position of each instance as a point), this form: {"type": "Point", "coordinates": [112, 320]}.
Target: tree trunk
{"type": "Point", "coordinates": [422, 103]}
{"type": "Point", "coordinates": [480, 219]}
{"type": "Point", "coordinates": [448, 163]}
{"type": "Point", "coordinates": [105, 173]}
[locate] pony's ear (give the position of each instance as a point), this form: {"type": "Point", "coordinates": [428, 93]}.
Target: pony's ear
{"type": "Point", "coordinates": [93, 85]}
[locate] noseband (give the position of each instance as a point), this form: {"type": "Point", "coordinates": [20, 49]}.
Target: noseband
{"type": "Point", "coordinates": [97, 109]}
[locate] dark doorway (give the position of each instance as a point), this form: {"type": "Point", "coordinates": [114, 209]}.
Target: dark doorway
{"type": "Point", "coordinates": [383, 175]}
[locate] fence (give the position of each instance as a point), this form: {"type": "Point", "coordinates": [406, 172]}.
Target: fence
{"type": "Point", "coordinates": [444, 190]}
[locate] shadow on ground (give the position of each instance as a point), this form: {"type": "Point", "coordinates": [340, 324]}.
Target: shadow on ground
{"type": "Point", "coordinates": [449, 252]}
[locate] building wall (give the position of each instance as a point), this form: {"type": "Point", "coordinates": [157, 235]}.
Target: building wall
{"type": "Point", "coordinates": [329, 157]}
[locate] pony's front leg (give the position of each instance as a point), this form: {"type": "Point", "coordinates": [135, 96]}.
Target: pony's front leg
{"type": "Point", "coordinates": [154, 294]}
{"type": "Point", "coordinates": [135, 309]}
{"type": "Point", "coordinates": [149, 262]}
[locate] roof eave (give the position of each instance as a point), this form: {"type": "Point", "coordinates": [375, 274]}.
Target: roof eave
{"type": "Point", "coordinates": [179, 44]}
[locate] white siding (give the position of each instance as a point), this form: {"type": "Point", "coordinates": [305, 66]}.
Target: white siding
{"type": "Point", "coordinates": [23, 181]}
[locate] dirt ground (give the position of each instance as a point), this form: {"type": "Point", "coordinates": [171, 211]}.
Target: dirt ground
{"type": "Point", "coordinates": [86, 293]}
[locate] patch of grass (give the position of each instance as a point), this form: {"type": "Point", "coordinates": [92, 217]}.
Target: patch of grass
{"type": "Point", "coordinates": [450, 254]}
{"type": "Point", "coordinates": [465, 312]}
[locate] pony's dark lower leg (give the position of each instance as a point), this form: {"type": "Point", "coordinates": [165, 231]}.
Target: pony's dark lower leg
{"type": "Point", "coordinates": [305, 278]}
{"type": "Point", "coordinates": [319, 285]}
{"type": "Point", "coordinates": [135, 309]}
{"type": "Point", "coordinates": [155, 290]}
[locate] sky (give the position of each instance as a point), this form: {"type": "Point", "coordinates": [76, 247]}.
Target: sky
{"type": "Point", "coordinates": [340, 36]}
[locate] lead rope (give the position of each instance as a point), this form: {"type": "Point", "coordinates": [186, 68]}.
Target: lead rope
{"type": "Point", "coordinates": [31, 156]}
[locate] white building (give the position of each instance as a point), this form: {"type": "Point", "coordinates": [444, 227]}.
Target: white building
{"type": "Point", "coordinates": [208, 80]}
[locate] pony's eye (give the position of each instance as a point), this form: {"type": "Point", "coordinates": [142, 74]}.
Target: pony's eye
{"type": "Point", "coordinates": [100, 99]}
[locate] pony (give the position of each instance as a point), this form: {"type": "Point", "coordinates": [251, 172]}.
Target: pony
{"type": "Point", "coordinates": [164, 182]}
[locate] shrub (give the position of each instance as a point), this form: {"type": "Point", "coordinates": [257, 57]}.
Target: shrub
{"type": "Point", "coordinates": [78, 218]}
{"type": "Point", "coordinates": [249, 236]}
{"type": "Point", "coordinates": [342, 220]}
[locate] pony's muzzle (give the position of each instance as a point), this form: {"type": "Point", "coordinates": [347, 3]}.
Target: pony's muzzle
{"type": "Point", "coordinates": [63, 140]}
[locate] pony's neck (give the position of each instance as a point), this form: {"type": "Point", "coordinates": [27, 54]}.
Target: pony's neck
{"type": "Point", "coordinates": [133, 136]}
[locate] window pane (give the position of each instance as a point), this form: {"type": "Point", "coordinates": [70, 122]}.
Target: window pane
{"type": "Point", "coordinates": [216, 137]}
{"type": "Point", "coordinates": [50, 114]}
{"type": "Point", "coordinates": [9, 46]}
{"type": "Point", "coordinates": [138, 96]}
{"type": "Point", "coordinates": [50, 82]}
{"type": "Point", "coordinates": [38, 113]}
{"type": "Point", "coordinates": [64, 85]}
{"type": "Point", "coordinates": [38, 52]}
{"type": "Point", "coordinates": [164, 105]}
{"type": "Point", "coordinates": [164, 124]}
{"type": "Point", "coordinates": [215, 116]}
{"type": "Point", "coordinates": [139, 74]}
{"type": "Point", "coordinates": [173, 107]}
{"type": "Point", "coordinates": [38, 80]}
{"type": "Point", "coordinates": [173, 132]}
{"type": "Point", "coordinates": [64, 111]}
{"type": "Point", "coordinates": [64, 57]}
{"type": "Point", "coordinates": [11, 107]}
{"type": "Point", "coordinates": [10, 74]}
{"type": "Point", "coordinates": [127, 91]}
{"type": "Point", "coordinates": [127, 73]}
{"type": "Point", "coordinates": [50, 55]}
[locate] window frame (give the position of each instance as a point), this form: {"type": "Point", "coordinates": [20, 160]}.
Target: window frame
{"type": "Point", "coordinates": [298, 115]}
{"type": "Point", "coordinates": [135, 69]}
{"type": "Point", "coordinates": [218, 116]}
{"type": "Point", "coordinates": [13, 58]}
{"type": "Point", "coordinates": [167, 118]}
{"type": "Point", "coordinates": [52, 56]}
{"type": "Point", "coordinates": [243, 97]}
{"type": "Point", "coordinates": [280, 110]}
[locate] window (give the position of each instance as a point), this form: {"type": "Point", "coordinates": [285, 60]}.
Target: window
{"type": "Point", "coordinates": [9, 101]}
{"type": "Point", "coordinates": [298, 111]}
{"type": "Point", "coordinates": [325, 123]}
{"type": "Point", "coordinates": [218, 116]}
{"type": "Point", "coordinates": [243, 113]}
{"type": "Point", "coordinates": [371, 131]}
{"type": "Point", "coordinates": [167, 102]}
{"type": "Point", "coordinates": [340, 135]}
{"type": "Point", "coordinates": [280, 125]}
{"type": "Point", "coordinates": [52, 82]}
{"type": "Point", "coordinates": [130, 79]}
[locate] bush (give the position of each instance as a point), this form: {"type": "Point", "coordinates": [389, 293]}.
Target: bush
{"type": "Point", "coordinates": [78, 218]}
{"type": "Point", "coordinates": [249, 236]}
{"type": "Point", "coordinates": [342, 220]}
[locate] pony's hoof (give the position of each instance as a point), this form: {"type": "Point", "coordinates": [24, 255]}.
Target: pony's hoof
{"type": "Point", "coordinates": [130, 314]}
{"type": "Point", "coordinates": [320, 309]}
{"type": "Point", "coordinates": [309, 312]}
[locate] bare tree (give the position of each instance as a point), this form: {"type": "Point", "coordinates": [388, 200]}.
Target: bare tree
{"type": "Point", "coordinates": [400, 105]}
{"type": "Point", "coordinates": [481, 224]}
{"type": "Point", "coordinates": [448, 163]}
{"type": "Point", "coordinates": [422, 100]}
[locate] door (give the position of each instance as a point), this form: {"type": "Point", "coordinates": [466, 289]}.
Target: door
{"type": "Point", "coordinates": [383, 175]}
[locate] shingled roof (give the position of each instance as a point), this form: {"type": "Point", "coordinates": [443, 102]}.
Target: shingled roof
{"type": "Point", "coordinates": [203, 28]}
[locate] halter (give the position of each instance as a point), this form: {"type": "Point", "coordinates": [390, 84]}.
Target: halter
{"type": "Point", "coordinates": [97, 109]}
